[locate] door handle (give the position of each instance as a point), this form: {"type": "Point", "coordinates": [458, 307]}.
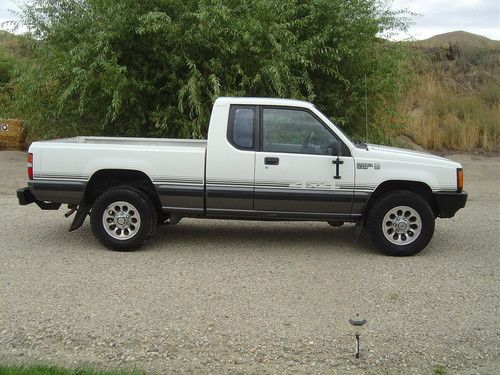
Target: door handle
{"type": "Point", "coordinates": [271, 161]}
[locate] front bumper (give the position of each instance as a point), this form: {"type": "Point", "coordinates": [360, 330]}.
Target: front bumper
{"type": "Point", "coordinates": [448, 203]}
{"type": "Point", "coordinates": [25, 197]}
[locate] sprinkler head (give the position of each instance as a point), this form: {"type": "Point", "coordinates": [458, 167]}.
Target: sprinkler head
{"type": "Point", "coordinates": [357, 324]}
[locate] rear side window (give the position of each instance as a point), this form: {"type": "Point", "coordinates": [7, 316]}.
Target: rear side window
{"type": "Point", "coordinates": [242, 127]}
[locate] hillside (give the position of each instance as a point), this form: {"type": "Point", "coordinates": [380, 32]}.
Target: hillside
{"type": "Point", "coordinates": [6, 38]}
{"type": "Point", "coordinates": [453, 98]}
{"type": "Point", "coordinates": [10, 46]}
{"type": "Point", "coordinates": [4, 35]}
{"type": "Point", "coordinates": [459, 37]}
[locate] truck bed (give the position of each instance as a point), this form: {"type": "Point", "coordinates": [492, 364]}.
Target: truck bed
{"type": "Point", "coordinates": [174, 166]}
{"type": "Point", "coordinates": [130, 141]}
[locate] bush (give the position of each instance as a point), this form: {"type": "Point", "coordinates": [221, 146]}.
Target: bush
{"type": "Point", "coordinates": [154, 68]}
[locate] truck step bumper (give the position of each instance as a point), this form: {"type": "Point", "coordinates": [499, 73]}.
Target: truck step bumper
{"type": "Point", "coordinates": [448, 203]}
{"type": "Point", "coordinates": [25, 197]}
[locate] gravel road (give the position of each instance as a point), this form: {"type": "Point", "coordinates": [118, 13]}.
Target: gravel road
{"type": "Point", "coordinates": [251, 297]}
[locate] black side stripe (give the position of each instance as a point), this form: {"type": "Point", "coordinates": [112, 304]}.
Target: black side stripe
{"type": "Point", "coordinates": [304, 195]}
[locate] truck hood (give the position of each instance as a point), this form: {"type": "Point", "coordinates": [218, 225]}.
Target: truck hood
{"type": "Point", "coordinates": [401, 152]}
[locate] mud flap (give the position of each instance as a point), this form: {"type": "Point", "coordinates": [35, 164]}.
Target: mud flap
{"type": "Point", "coordinates": [81, 213]}
{"type": "Point", "coordinates": [358, 228]}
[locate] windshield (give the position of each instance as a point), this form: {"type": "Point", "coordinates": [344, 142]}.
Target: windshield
{"type": "Point", "coordinates": [355, 142]}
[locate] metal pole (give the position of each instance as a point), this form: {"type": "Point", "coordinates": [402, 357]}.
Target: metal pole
{"type": "Point", "coordinates": [357, 346]}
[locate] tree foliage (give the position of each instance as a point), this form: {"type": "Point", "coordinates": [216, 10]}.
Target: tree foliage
{"type": "Point", "coordinates": [155, 67]}
{"type": "Point", "coordinates": [8, 60]}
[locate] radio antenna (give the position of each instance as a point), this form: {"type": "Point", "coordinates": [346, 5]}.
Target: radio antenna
{"type": "Point", "coordinates": [366, 109]}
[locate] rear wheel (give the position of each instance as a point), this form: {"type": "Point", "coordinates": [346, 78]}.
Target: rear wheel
{"type": "Point", "coordinates": [123, 218]}
{"type": "Point", "coordinates": [401, 223]}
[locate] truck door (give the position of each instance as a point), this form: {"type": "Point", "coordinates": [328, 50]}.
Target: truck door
{"type": "Point", "coordinates": [295, 170]}
{"type": "Point", "coordinates": [231, 159]}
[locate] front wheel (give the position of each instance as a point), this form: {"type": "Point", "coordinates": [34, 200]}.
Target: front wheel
{"type": "Point", "coordinates": [123, 218]}
{"type": "Point", "coordinates": [401, 223]}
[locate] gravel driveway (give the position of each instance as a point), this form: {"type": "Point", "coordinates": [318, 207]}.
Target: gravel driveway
{"type": "Point", "coordinates": [251, 297]}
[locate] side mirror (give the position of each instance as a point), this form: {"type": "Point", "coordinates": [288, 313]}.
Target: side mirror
{"type": "Point", "coordinates": [336, 147]}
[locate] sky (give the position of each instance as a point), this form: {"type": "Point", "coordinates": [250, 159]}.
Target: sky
{"type": "Point", "coordinates": [433, 17]}
{"type": "Point", "coordinates": [5, 14]}
{"type": "Point", "coordinates": [440, 16]}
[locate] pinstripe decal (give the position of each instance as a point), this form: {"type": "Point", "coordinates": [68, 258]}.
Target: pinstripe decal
{"type": "Point", "coordinates": [54, 176]}
{"type": "Point", "coordinates": [172, 182]}
{"type": "Point", "coordinates": [292, 185]}
{"type": "Point", "coordinates": [228, 181]}
{"type": "Point", "coordinates": [177, 180]}
{"type": "Point", "coordinates": [445, 188]}
{"type": "Point", "coordinates": [284, 184]}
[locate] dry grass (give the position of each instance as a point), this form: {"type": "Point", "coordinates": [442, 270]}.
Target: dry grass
{"type": "Point", "coordinates": [452, 104]}
{"type": "Point", "coordinates": [438, 118]}
{"type": "Point", "coordinates": [12, 135]}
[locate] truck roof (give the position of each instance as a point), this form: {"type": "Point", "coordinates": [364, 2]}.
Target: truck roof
{"type": "Point", "coordinates": [264, 101]}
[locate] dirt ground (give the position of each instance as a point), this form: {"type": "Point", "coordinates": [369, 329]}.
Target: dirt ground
{"type": "Point", "coordinates": [251, 297]}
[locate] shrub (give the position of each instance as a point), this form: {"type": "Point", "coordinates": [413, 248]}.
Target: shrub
{"type": "Point", "coordinates": [154, 68]}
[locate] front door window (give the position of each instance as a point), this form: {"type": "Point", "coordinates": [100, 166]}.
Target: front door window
{"type": "Point", "coordinates": [294, 131]}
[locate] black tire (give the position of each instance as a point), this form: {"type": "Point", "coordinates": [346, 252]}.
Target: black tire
{"type": "Point", "coordinates": [143, 227]}
{"type": "Point", "coordinates": [420, 216]}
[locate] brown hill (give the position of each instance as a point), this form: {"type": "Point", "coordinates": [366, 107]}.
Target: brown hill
{"type": "Point", "coordinates": [4, 35]}
{"type": "Point", "coordinates": [461, 38]}
{"type": "Point", "coordinates": [8, 41]}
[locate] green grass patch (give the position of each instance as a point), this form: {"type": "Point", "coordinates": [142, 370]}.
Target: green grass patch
{"type": "Point", "coordinates": [55, 370]}
{"type": "Point", "coordinates": [439, 370]}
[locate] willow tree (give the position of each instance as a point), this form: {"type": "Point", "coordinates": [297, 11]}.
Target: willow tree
{"type": "Point", "coordinates": [155, 67]}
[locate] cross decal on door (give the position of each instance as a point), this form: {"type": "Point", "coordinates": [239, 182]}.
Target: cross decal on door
{"type": "Point", "coordinates": [337, 163]}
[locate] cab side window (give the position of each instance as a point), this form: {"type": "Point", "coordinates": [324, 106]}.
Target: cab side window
{"type": "Point", "coordinates": [242, 127]}
{"type": "Point", "coordinates": [294, 131]}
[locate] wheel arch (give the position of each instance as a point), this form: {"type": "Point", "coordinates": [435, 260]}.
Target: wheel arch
{"type": "Point", "coordinates": [104, 179]}
{"type": "Point", "coordinates": [417, 187]}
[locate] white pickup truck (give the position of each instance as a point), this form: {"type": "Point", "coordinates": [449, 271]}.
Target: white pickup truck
{"type": "Point", "coordinates": [264, 159]}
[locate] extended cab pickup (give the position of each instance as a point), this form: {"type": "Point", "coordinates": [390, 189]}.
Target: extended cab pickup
{"type": "Point", "coordinates": [264, 159]}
